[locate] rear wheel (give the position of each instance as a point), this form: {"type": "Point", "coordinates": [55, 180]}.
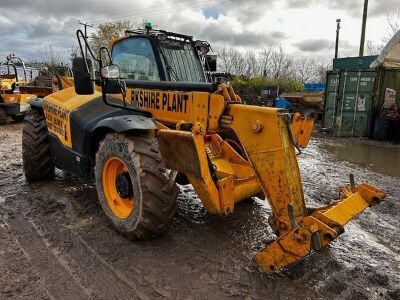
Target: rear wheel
{"type": "Point", "coordinates": [3, 116]}
{"type": "Point", "coordinates": [36, 153]}
{"type": "Point", "coordinates": [135, 191]}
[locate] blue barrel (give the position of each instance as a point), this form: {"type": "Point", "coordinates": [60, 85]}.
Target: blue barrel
{"type": "Point", "coordinates": [282, 103]}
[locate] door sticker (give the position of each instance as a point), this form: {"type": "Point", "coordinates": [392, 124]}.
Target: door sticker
{"type": "Point", "coordinates": [361, 103]}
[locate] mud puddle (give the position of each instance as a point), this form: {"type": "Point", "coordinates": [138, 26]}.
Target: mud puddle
{"type": "Point", "coordinates": [378, 157]}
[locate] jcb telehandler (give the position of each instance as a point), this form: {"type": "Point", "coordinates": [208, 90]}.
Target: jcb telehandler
{"type": "Point", "coordinates": [151, 118]}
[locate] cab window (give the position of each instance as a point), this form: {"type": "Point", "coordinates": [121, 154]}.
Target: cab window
{"type": "Point", "coordinates": [135, 58]}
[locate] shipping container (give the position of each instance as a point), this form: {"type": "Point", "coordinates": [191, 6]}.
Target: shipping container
{"type": "Point", "coordinates": [348, 63]}
{"type": "Point", "coordinates": [350, 104]}
{"type": "Point", "coordinates": [331, 92]}
{"type": "Point", "coordinates": [355, 105]}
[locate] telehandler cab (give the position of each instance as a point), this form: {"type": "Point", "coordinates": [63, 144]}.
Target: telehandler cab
{"type": "Point", "coordinates": [151, 117]}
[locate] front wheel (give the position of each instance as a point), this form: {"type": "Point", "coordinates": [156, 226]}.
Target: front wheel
{"type": "Point", "coordinates": [134, 189]}
{"type": "Point", "coordinates": [36, 153]}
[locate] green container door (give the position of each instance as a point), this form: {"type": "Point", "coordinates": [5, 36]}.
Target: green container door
{"type": "Point", "coordinates": [332, 89]}
{"type": "Point", "coordinates": [355, 106]}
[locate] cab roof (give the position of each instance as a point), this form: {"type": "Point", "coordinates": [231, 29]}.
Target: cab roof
{"type": "Point", "coordinates": [152, 33]}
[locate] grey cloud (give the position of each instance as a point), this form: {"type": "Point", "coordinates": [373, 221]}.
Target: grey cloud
{"type": "Point", "coordinates": [298, 3]}
{"type": "Point", "coordinates": [247, 11]}
{"type": "Point", "coordinates": [323, 46]}
{"type": "Point", "coordinates": [354, 8]}
{"type": "Point", "coordinates": [61, 8]}
{"type": "Point", "coordinates": [223, 33]}
{"type": "Point", "coordinates": [315, 45]}
{"type": "Point", "coordinates": [383, 8]}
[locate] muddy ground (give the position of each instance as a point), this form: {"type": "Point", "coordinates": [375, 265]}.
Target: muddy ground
{"type": "Point", "coordinates": [55, 242]}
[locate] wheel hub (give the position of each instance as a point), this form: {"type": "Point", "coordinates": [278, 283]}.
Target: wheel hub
{"type": "Point", "coordinates": [123, 185]}
{"type": "Point", "coordinates": [117, 187]}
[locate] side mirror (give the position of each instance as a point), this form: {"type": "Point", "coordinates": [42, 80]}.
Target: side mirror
{"type": "Point", "coordinates": [110, 72]}
{"type": "Point", "coordinates": [83, 72]}
{"type": "Point", "coordinates": [211, 63]}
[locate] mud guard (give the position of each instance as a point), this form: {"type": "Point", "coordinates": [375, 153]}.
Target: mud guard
{"type": "Point", "coordinates": [126, 123]}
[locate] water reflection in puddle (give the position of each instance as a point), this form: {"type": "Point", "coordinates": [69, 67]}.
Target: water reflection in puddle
{"type": "Point", "coordinates": [380, 158]}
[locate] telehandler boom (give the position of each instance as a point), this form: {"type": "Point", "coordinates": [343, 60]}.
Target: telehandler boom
{"type": "Point", "coordinates": [152, 118]}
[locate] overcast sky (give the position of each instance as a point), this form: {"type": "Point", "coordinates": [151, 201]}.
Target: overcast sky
{"type": "Point", "coordinates": [302, 27]}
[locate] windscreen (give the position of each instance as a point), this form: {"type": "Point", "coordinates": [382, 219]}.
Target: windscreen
{"type": "Point", "coordinates": [181, 61]}
{"type": "Point", "coordinates": [135, 58]}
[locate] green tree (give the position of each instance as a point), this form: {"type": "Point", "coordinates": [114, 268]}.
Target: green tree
{"type": "Point", "coordinates": [107, 32]}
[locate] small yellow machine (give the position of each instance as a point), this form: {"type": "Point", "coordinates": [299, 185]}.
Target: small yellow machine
{"type": "Point", "coordinates": [13, 103]}
{"type": "Point", "coordinates": [14, 93]}
{"type": "Point", "coordinates": [152, 118]}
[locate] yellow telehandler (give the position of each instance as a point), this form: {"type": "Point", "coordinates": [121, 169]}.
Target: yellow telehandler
{"type": "Point", "coordinates": [150, 118]}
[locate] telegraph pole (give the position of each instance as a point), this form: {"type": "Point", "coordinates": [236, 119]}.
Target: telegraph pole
{"type": "Point", "coordinates": [85, 25]}
{"type": "Point", "coordinates": [337, 37]}
{"type": "Point", "coordinates": [364, 23]}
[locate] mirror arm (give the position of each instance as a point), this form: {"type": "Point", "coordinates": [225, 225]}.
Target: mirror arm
{"type": "Point", "coordinates": [105, 49]}
{"type": "Point", "coordinates": [80, 35]}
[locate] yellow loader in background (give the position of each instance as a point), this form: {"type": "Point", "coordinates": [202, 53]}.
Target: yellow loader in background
{"type": "Point", "coordinates": [13, 103]}
{"type": "Point", "coordinates": [151, 117]}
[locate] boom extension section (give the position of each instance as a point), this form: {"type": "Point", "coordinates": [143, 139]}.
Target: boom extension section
{"type": "Point", "coordinates": [249, 152]}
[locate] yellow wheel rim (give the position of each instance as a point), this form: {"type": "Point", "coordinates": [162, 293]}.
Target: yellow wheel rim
{"type": "Point", "coordinates": [121, 207]}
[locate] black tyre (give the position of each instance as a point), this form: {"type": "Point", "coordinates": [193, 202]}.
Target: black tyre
{"type": "Point", "coordinates": [3, 116]}
{"type": "Point", "coordinates": [18, 118]}
{"type": "Point", "coordinates": [36, 154]}
{"type": "Point", "coordinates": [134, 189]}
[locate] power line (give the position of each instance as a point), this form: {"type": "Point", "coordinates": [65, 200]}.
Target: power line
{"type": "Point", "coordinates": [152, 10]}
{"type": "Point", "coordinates": [86, 25]}
{"type": "Point", "coordinates": [133, 12]}
{"type": "Point", "coordinates": [156, 12]}
{"type": "Point", "coordinates": [136, 11]}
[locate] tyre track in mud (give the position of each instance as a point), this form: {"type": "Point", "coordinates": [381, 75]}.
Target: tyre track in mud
{"type": "Point", "coordinates": [54, 271]}
{"type": "Point", "coordinates": [94, 269]}
{"type": "Point", "coordinates": [201, 256]}
{"type": "Point", "coordinates": [18, 275]}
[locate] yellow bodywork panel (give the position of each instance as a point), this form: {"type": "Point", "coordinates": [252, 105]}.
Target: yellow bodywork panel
{"type": "Point", "coordinates": [302, 129]}
{"type": "Point", "coordinates": [16, 98]}
{"type": "Point", "coordinates": [6, 83]}
{"type": "Point", "coordinates": [190, 158]}
{"type": "Point", "coordinates": [66, 81]}
{"type": "Point", "coordinates": [263, 132]}
{"type": "Point", "coordinates": [57, 108]}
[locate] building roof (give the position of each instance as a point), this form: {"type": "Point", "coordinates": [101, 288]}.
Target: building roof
{"type": "Point", "coordinates": [390, 55]}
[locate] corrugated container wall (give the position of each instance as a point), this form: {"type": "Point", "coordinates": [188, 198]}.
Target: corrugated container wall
{"type": "Point", "coordinates": [355, 94]}
{"type": "Point", "coordinates": [349, 102]}
{"type": "Point", "coordinates": [355, 105]}
{"type": "Point", "coordinates": [332, 89]}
